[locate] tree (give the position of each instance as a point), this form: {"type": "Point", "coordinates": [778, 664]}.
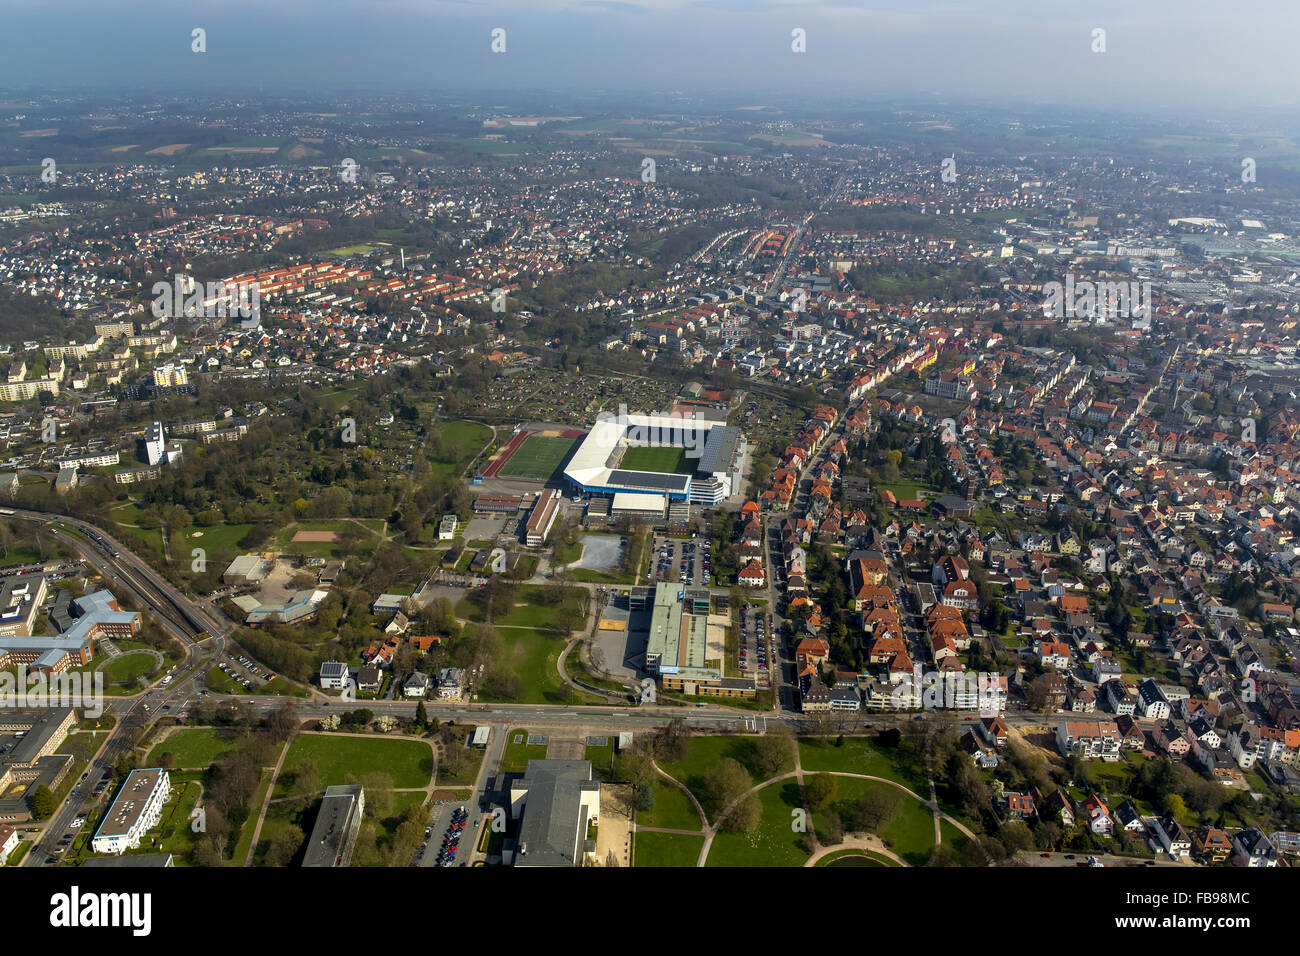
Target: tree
{"type": "Point", "coordinates": [832, 831]}
{"type": "Point", "coordinates": [673, 743]}
{"type": "Point", "coordinates": [725, 782]}
{"type": "Point", "coordinates": [773, 751]}
{"type": "Point", "coordinates": [1015, 836]}
{"type": "Point", "coordinates": [876, 809]}
{"type": "Point", "coordinates": [820, 790]}
{"type": "Point", "coordinates": [943, 855]}
{"type": "Point", "coordinates": [284, 845]}
{"type": "Point", "coordinates": [745, 816]}
{"type": "Point", "coordinates": [43, 803]}
{"type": "Point", "coordinates": [643, 798]}
{"type": "Point", "coordinates": [421, 716]}
{"type": "Point", "coordinates": [282, 721]}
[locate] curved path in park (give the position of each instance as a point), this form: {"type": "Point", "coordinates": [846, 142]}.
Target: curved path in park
{"type": "Point", "coordinates": [850, 841]}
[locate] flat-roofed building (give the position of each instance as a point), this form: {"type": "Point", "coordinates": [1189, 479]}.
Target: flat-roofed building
{"type": "Point", "coordinates": [137, 809]}
{"type": "Point", "coordinates": [542, 518]}
{"type": "Point", "coordinates": [42, 732]}
{"type": "Point", "coordinates": [152, 446]}
{"type": "Point", "coordinates": [8, 840]}
{"type": "Point", "coordinates": [20, 598]}
{"type": "Point", "coordinates": [98, 615]}
{"type": "Point", "coordinates": [637, 505]}
{"type": "Point", "coordinates": [334, 834]}
{"type": "Point", "coordinates": [333, 675]}
{"type": "Point", "coordinates": [245, 570]}
{"type": "Point", "coordinates": [677, 650]}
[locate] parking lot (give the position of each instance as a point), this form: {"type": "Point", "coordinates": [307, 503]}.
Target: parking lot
{"type": "Point", "coordinates": [688, 561]}
{"type": "Point", "coordinates": [450, 836]}
{"type": "Point", "coordinates": [756, 653]}
{"type": "Point", "coordinates": [243, 671]}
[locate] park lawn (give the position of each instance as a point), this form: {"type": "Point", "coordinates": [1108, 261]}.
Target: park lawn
{"type": "Point", "coordinates": [664, 459]}
{"type": "Point", "coordinates": [125, 668]}
{"type": "Point", "coordinates": [461, 442]}
{"type": "Point", "coordinates": [673, 810]}
{"type": "Point", "coordinates": [365, 545]}
{"type": "Point", "coordinates": [540, 457]}
{"type": "Point", "coordinates": [567, 552]}
{"type": "Point", "coordinates": [910, 834]}
{"type": "Point", "coordinates": [409, 763]}
{"type": "Point", "coordinates": [516, 756]}
{"type": "Point", "coordinates": [705, 752]}
{"type": "Point", "coordinates": [528, 610]}
{"type": "Point", "coordinates": [952, 837]}
{"type": "Point", "coordinates": [194, 749]}
{"type": "Point", "coordinates": [666, 849]}
{"type": "Point", "coordinates": [534, 656]}
{"type": "Point", "coordinates": [278, 817]}
{"type": "Point", "coordinates": [774, 841]}
{"type": "Point", "coordinates": [528, 615]}
{"type": "Point", "coordinates": [220, 543]}
{"type": "Point", "coordinates": [245, 842]}
{"type": "Point", "coordinates": [175, 831]}
{"type": "Point", "coordinates": [401, 801]}
{"type": "Point", "coordinates": [336, 398]}
{"type": "Point", "coordinates": [862, 755]}
{"type": "Point", "coordinates": [18, 853]}
{"type": "Point", "coordinates": [866, 856]}
{"type": "Point", "coordinates": [19, 553]}
{"type": "Point", "coordinates": [472, 759]}
{"type": "Point", "coordinates": [601, 759]}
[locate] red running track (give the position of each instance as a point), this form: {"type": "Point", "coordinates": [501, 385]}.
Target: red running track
{"type": "Point", "coordinates": [492, 467]}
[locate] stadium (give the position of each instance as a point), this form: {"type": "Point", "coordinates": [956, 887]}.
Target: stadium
{"type": "Point", "coordinates": [666, 456]}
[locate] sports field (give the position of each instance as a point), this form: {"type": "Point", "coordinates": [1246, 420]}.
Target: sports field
{"type": "Point", "coordinates": [540, 457]}
{"type": "Point", "coordinates": [665, 460]}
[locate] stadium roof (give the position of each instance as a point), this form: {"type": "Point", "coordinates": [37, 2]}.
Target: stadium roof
{"type": "Point", "coordinates": [649, 480]}
{"type": "Point", "coordinates": [719, 448]}
{"type": "Point", "coordinates": [591, 468]}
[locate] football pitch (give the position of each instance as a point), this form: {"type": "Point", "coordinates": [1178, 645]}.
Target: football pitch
{"type": "Point", "coordinates": [665, 460]}
{"type": "Point", "coordinates": [540, 457]}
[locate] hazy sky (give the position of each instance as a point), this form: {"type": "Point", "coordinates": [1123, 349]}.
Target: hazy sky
{"type": "Point", "coordinates": [1183, 53]}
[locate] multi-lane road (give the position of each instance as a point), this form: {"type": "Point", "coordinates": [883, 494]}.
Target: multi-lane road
{"type": "Point", "coordinates": [205, 634]}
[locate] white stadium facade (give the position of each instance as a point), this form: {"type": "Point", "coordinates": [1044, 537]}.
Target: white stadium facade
{"type": "Point", "coordinates": [716, 448]}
